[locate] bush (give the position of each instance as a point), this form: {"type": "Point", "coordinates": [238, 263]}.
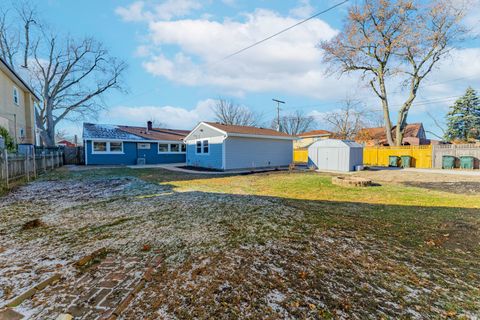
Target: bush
{"type": "Point", "coordinates": [9, 141]}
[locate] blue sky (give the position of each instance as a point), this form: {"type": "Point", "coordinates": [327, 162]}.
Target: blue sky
{"type": "Point", "coordinates": [173, 47]}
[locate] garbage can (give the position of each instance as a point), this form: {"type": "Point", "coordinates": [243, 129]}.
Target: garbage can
{"type": "Point", "coordinates": [448, 162]}
{"type": "Point", "coordinates": [466, 162]}
{"type": "Point", "coordinates": [406, 161]}
{"type": "Point", "coordinates": [393, 161]}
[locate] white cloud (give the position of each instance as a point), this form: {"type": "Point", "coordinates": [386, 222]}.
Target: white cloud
{"type": "Point", "coordinates": [133, 12]}
{"type": "Point", "coordinates": [166, 10]}
{"type": "Point", "coordinates": [304, 9]}
{"type": "Point", "coordinates": [290, 62]}
{"type": "Point", "coordinates": [172, 117]}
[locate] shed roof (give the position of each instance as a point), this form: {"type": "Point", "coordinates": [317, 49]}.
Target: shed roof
{"type": "Point", "coordinates": [336, 143]}
{"type": "Point", "coordinates": [248, 130]}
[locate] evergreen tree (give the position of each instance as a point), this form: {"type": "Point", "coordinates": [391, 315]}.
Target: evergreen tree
{"type": "Point", "coordinates": [463, 120]}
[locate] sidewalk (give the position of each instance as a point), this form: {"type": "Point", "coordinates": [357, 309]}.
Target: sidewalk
{"type": "Point", "coordinates": [176, 167]}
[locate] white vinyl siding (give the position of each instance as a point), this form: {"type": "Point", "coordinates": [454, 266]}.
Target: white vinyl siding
{"type": "Point", "coordinates": [245, 153]}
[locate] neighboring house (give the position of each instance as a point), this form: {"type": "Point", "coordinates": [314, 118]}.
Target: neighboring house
{"type": "Point", "coordinates": [66, 143]}
{"type": "Point", "coordinates": [304, 140]}
{"type": "Point", "coordinates": [125, 145]}
{"type": "Point", "coordinates": [231, 147]}
{"type": "Point", "coordinates": [17, 102]}
{"type": "Point", "coordinates": [414, 135]}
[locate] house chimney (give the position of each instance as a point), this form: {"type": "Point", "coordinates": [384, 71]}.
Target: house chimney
{"type": "Point", "coordinates": [149, 126]}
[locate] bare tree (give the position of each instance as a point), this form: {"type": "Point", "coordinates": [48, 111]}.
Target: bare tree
{"type": "Point", "coordinates": [27, 13]}
{"type": "Point", "coordinates": [295, 123]}
{"type": "Point", "coordinates": [350, 118]}
{"type": "Point", "coordinates": [401, 39]}
{"type": "Point", "coordinates": [70, 75]}
{"type": "Point", "coordinates": [9, 38]}
{"type": "Point", "coordinates": [229, 112]}
{"type": "Point", "coordinates": [439, 126]}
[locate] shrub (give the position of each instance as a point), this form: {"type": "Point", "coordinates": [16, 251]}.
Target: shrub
{"type": "Point", "coordinates": [9, 141]}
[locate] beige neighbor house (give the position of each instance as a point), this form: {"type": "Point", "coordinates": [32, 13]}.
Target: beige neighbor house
{"type": "Point", "coordinates": [17, 101]}
{"type": "Point", "coordinates": [304, 140]}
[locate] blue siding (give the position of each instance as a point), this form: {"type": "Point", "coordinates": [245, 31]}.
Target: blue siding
{"type": "Point", "coordinates": [213, 160]}
{"type": "Point", "coordinates": [130, 155]}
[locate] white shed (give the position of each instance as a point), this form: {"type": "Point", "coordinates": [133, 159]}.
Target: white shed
{"type": "Point", "coordinates": [335, 155]}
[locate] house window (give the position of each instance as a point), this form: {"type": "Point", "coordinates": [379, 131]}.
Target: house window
{"type": "Point", "coordinates": [175, 148]}
{"type": "Point", "coordinates": [202, 147]}
{"type": "Point", "coordinates": [16, 97]}
{"type": "Point", "coordinates": [107, 147]}
{"type": "Point", "coordinates": [116, 146]}
{"type": "Point", "coordinates": [99, 146]}
{"type": "Point", "coordinates": [163, 147]}
{"type": "Point", "coordinates": [199, 146]}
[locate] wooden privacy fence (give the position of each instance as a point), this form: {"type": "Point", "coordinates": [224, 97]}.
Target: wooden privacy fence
{"type": "Point", "coordinates": [378, 156]}
{"type": "Point", "coordinates": [456, 150]}
{"type": "Point", "coordinates": [27, 166]}
{"type": "Point", "coordinates": [300, 155]}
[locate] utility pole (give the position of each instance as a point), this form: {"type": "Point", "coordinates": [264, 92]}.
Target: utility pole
{"type": "Point", "coordinates": [278, 112]}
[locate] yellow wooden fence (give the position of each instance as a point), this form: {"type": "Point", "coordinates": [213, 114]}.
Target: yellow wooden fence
{"type": "Point", "coordinates": [378, 156]}
{"type": "Point", "coordinates": [300, 155]}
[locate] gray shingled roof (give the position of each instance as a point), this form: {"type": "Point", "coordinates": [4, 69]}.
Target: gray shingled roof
{"type": "Point", "coordinates": [107, 131]}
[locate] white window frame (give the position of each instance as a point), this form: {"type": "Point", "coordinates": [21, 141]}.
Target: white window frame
{"type": "Point", "coordinates": [16, 96]}
{"type": "Point", "coordinates": [107, 150]}
{"type": "Point", "coordinates": [169, 151]}
{"type": "Point", "coordinates": [202, 147]}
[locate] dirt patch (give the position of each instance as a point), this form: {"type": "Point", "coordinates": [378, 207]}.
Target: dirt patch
{"type": "Point", "coordinates": [32, 224]}
{"type": "Point", "coordinates": [460, 187]}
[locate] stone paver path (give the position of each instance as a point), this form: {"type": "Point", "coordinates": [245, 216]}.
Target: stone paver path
{"type": "Point", "coordinates": [93, 293]}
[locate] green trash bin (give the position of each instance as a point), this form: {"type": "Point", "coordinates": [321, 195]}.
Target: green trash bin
{"type": "Point", "coordinates": [393, 161]}
{"type": "Point", "coordinates": [448, 162]}
{"type": "Point", "coordinates": [406, 161]}
{"type": "Point", "coordinates": [466, 162]}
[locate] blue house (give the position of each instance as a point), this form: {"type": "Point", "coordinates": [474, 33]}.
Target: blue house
{"type": "Point", "coordinates": [231, 147]}
{"type": "Point", "coordinates": [126, 145]}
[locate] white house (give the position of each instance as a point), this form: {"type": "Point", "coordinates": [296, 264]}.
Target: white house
{"type": "Point", "coordinates": [231, 147]}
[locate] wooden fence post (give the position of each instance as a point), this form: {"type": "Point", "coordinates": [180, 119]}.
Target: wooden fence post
{"type": "Point", "coordinates": [6, 167]}
{"type": "Point", "coordinates": [26, 166]}
{"type": "Point", "coordinates": [34, 169]}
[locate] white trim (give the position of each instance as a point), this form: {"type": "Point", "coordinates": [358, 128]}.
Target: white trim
{"type": "Point", "coordinates": [16, 94]}
{"type": "Point", "coordinates": [86, 153]}
{"type": "Point", "coordinates": [107, 146]}
{"type": "Point", "coordinates": [202, 146]}
{"type": "Point", "coordinates": [170, 148]}
{"type": "Point", "coordinates": [206, 124]}
{"type": "Point", "coordinates": [224, 155]}
{"type": "Point", "coordinates": [241, 135]}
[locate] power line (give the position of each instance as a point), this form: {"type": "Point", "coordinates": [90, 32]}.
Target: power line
{"type": "Point", "coordinates": [282, 31]}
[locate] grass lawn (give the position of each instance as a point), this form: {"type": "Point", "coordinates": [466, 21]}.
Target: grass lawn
{"type": "Point", "coordinates": [272, 245]}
